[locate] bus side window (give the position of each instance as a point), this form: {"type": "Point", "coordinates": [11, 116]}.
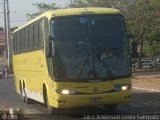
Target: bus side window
{"type": "Point", "coordinates": [26, 39]}
{"type": "Point", "coordinates": [31, 44]}
{"type": "Point", "coordinates": [36, 35]}
{"type": "Point", "coordinates": [46, 33]}
{"type": "Point", "coordinates": [15, 43]}
{"type": "Point", "coordinates": [22, 40]}
{"type": "Point", "coordinates": [18, 42]}
{"type": "Point", "coordinates": [41, 33]}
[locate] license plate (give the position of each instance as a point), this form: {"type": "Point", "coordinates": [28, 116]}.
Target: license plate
{"type": "Point", "coordinates": [95, 100]}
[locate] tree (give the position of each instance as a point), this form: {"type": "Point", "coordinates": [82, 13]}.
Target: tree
{"type": "Point", "coordinates": [152, 43]}
{"type": "Point", "coordinates": [42, 7]}
{"type": "Point", "coordinates": [152, 34]}
{"type": "Point", "coordinates": [12, 29]}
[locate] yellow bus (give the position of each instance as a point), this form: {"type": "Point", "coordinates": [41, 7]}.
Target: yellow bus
{"type": "Point", "coordinates": [73, 57]}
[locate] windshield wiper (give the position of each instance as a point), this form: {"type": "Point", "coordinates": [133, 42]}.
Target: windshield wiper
{"type": "Point", "coordinates": [82, 68]}
{"type": "Point", "coordinates": [105, 65]}
{"type": "Point", "coordinates": [107, 68]}
{"type": "Point", "coordinates": [95, 74]}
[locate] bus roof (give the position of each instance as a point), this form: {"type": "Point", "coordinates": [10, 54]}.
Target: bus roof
{"type": "Point", "coordinates": [70, 12]}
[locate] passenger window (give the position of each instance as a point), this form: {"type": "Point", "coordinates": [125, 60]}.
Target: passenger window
{"type": "Point", "coordinates": [14, 42]}
{"type": "Point", "coordinates": [26, 39]}
{"type": "Point", "coordinates": [41, 33]}
{"type": "Point", "coordinates": [35, 35]}
{"type": "Point", "coordinates": [22, 40]}
{"type": "Point", "coordinates": [31, 38]}
{"type": "Point", "coordinates": [18, 42]}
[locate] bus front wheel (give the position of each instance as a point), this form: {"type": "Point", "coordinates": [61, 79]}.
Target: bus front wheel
{"type": "Point", "coordinates": [50, 109]}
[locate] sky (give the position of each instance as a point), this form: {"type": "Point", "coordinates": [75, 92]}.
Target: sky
{"type": "Point", "coordinates": [19, 9]}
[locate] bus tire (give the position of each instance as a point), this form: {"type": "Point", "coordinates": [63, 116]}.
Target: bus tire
{"type": "Point", "coordinates": [22, 92]}
{"type": "Point", "coordinates": [46, 101]}
{"type": "Point", "coordinates": [111, 108]}
{"type": "Point", "coordinates": [20, 89]}
{"type": "Point", "coordinates": [25, 98]}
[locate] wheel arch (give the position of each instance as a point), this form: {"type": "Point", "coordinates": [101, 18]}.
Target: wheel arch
{"type": "Point", "coordinates": [45, 91]}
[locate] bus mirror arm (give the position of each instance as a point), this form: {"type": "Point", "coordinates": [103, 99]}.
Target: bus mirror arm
{"type": "Point", "coordinates": [134, 53]}
{"type": "Point", "coordinates": [133, 47]}
{"type": "Point", "coordinates": [51, 47]}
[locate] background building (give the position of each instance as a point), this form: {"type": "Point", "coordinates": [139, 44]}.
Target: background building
{"type": "Point", "coordinates": [2, 42]}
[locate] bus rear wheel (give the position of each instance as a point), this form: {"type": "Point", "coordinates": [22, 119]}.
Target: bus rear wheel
{"type": "Point", "coordinates": [24, 97]}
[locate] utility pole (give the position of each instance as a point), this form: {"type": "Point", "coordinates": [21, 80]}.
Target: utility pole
{"type": "Point", "coordinates": [5, 28]}
{"type": "Point", "coordinates": [71, 3]}
{"type": "Point", "coordinates": [8, 35]}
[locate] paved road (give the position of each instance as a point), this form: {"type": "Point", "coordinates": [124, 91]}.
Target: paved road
{"type": "Point", "coordinates": [143, 102]}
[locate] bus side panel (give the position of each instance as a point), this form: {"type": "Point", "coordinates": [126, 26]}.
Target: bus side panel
{"type": "Point", "coordinates": [32, 70]}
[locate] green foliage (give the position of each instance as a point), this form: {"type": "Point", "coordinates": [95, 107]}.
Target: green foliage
{"type": "Point", "coordinates": [42, 7]}
{"type": "Point", "coordinates": [45, 7]}
{"type": "Point", "coordinates": [79, 3]}
{"type": "Point", "coordinates": [152, 43]}
{"type": "Point", "coordinates": [12, 29]}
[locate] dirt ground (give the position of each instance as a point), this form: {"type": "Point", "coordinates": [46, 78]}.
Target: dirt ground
{"type": "Point", "coordinates": [146, 79]}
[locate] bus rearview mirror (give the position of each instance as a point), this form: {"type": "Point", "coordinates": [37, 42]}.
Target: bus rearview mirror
{"type": "Point", "coordinates": [133, 45]}
{"type": "Point", "coordinates": [51, 51]}
{"type": "Point", "coordinates": [134, 49]}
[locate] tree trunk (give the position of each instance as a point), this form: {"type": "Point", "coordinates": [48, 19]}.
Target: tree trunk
{"type": "Point", "coordinates": [140, 53]}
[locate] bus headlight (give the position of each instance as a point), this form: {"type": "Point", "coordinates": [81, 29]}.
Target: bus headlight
{"type": "Point", "coordinates": [122, 87]}
{"type": "Point", "coordinates": [65, 92]}
{"type": "Point", "coordinates": [126, 87]}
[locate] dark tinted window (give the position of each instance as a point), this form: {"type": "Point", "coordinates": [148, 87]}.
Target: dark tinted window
{"type": "Point", "coordinates": [31, 44]}
{"type": "Point", "coordinates": [41, 37]}
{"type": "Point", "coordinates": [26, 39]}
{"type": "Point", "coordinates": [96, 45]}
{"type": "Point", "coordinates": [30, 38]}
{"type": "Point", "coordinates": [18, 41]}
{"type": "Point", "coordinates": [14, 43]}
{"type": "Point", "coordinates": [107, 29]}
{"type": "Point", "coordinates": [22, 40]}
{"type": "Point", "coordinates": [35, 35]}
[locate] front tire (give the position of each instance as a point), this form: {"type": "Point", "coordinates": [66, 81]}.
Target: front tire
{"type": "Point", "coordinates": [50, 109]}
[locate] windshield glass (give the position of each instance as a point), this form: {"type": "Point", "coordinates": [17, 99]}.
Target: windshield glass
{"type": "Point", "coordinates": [90, 48]}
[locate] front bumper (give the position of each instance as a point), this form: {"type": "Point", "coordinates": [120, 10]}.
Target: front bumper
{"type": "Point", "coordinates": [67, 101]}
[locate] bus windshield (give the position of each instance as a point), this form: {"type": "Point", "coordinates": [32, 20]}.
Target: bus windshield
{"type": "Point", "coordinates": [91, 47]}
